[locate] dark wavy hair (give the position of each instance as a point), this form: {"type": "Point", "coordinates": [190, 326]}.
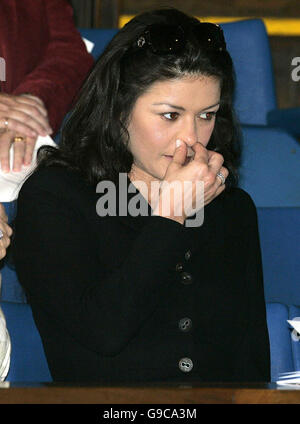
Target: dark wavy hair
{"type": "Point", "coordinates": [94, 139]}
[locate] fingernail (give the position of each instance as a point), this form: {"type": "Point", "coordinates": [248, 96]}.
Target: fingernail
{"type": "Point", "coordinates": [178, 143]}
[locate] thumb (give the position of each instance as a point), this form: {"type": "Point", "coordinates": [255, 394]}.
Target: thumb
{"type": "Point", "coordinates": [180, 153]}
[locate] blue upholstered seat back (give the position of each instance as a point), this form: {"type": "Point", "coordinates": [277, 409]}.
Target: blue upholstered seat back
{"type": "Point", "coordinates": [249, 47]}
{"type": "Point", "coordinates": [28, 361]}
{"type": "Point", "coordinates": [285, 353]}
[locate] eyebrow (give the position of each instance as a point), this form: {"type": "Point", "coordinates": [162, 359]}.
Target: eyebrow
{"type": "Point", "coordinates": [182, 108]}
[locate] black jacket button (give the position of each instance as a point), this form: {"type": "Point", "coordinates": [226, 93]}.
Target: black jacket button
{"type": "Point", "coordinates": [185, 365]}
{"type": "Point", "coordinates": [186, 278]}
{"type": "Point", "coordinates": [185, 324]}
{"type": "Point", "coordinates": [179, 267]}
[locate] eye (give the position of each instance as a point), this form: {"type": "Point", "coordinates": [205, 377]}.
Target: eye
{"type": "Point", "coordinates": [207, 116]}
{"type": "Point", "coordinates": [170, 116]}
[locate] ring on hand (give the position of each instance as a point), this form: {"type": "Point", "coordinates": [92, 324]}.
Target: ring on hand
{"type": "Point", "coordinates": [18, 138]}
{"type": "Point", "coordinates": [1, 234]}
{"type": "Point", "coordinates": [222, 178]}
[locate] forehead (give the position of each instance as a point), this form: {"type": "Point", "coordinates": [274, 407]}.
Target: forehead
{"type": "Point", "coordinates": [200, 91]}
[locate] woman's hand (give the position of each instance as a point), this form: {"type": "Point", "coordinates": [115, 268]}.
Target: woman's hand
{"type": "Point", "coordinates": [24, 117]}
{"type": "Point", "coordinates": [5, 232]}
{"type": "Point", "coordinates": [204, 167]}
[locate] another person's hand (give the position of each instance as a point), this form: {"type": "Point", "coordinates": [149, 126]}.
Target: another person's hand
{"type": "Point", "coordinates": [22, 119]}
{"type": "Point", "coordinates": [5, 232]}
{"type": "Point", "coordinates": [204, 166]}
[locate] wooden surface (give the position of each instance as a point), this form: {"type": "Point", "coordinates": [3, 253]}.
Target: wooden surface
{"type": "Point", "coordinates": [202, 394]}
{"type": "Point", "coordinates": [106, 14]}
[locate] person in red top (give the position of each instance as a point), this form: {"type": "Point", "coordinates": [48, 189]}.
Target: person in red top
{"type": "Point", "coordinates": [46, 62]}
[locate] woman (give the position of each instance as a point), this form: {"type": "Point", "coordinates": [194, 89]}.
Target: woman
{"type": "Point", "coordinates": [127, 297]}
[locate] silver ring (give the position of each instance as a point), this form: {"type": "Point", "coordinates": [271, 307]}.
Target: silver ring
{"type": "Point", "coordinates": [1, 234]}
{"type": "Point", "coordinates": [222, 178]}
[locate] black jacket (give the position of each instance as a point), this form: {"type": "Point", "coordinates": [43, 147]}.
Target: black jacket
{"type": "Point", "coordinates": [141, 299]}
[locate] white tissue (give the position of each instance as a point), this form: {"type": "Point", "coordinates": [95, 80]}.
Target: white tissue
{"type": "Point", "coordinates": [11, 182]}
{"type": "Point", "coordinates": [295, 324]}
{"type": "Point", "coordinates": [88, 44]}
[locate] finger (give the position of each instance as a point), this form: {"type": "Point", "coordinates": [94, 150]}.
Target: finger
{"type": "Point", "coordinates": [224, 171]}
{"type": "Point", "coordinates": [215, 194]}
{"type": "Point", "coordinates": [6, 232]}
{"type": "Point", "coordinates": [8, 101]}
{"type": "Point", "coordinates": [5, 228]}
{"type": "Point", "coordinates": [35, 98]}
{"type": "Point", "coordinates": [19, 151]}
{"type": "Point", "coordinates": [219, 181]}
{"type": "Point", "coordinates": [220, 190]}
{"type": "Point", "coordinates": [25, 114]}
{"type": "Point", "coordinates": [34, 113]}
{"type": "Point", "coordinates": [29, 148]}
{"type": "Point", "coordinates": [21, 123]}
{"type": "Point", "coordinates": [3, 216]}
{"type": "Point", "coordinates": [215, 161]}
{"type": "Point", "coordinates": [5, 143]}
{"type": "Point", "coordinates": [32, 102]}
{"type": "Point", "coordinates": [200, 153]}
{"type": "Point", "coordinates": [180, 153]}
{"type": "Point", "coordinates": [2, 252]}
{"type": "Point", "coordinates": [4, 243]}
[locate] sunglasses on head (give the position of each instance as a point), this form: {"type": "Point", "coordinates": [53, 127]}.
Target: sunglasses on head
{"type": "Point", "coordinates": [163, 39]}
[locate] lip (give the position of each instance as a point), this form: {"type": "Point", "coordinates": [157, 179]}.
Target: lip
{"type": "Point", "coordinates": [187, 160]}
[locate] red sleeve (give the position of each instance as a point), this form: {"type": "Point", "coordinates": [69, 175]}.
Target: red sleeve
{"type": "Point", "coordinates": [61, 72]}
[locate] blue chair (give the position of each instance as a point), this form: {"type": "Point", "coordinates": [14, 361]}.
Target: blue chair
{"type": "Point", "coordinates": [269, 172]}
{"type": "Point", "coordinates": [284, 342]}
{"type": "Point", "coordinates": [269, 169]}
{"type": "Point", "coordinates": [100, 38]}
{"type": "Point", "coordinates": [271, 155]}
{"type": "Point", "coordinates": [256, 101]}
{"type": "Point", "coordinates": [248, 45]}
{"type": "Point", "coordinates": [279, 229]}
{"type": "Point", "coordinates": [28, 362]}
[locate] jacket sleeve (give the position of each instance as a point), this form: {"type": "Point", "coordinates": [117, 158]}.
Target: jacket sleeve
{"type": "Point", "coordinates": [57, 262]}
{"type": "Point", "coordinates": [61, 72]}
{"type": "Point", "coordinates": [253, 355]}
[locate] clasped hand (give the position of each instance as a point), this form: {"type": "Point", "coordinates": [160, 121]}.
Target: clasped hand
{"type": "Point", "coordinates": [204, 167]}
{"type": "Point", "coordinates": [5, 232]}
{"type": "Point", "coordinates": [25, 117]}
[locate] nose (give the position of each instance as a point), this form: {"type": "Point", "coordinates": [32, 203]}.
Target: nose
{"type": "Point", "coordinates": [188, 131]}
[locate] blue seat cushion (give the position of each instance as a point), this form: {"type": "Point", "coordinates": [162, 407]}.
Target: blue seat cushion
{"type": "Point", "coordinates": [280, 339]}
{"type": "Point", "coordinates": [279, 237]}
{"type": "Point", "coordinates": [28, 361]}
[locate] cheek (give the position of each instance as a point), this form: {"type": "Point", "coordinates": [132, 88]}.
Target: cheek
{"type": "Point", "coordinates": [147, 136]}
{"type": "Point", "coordinates": [205, 133]}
